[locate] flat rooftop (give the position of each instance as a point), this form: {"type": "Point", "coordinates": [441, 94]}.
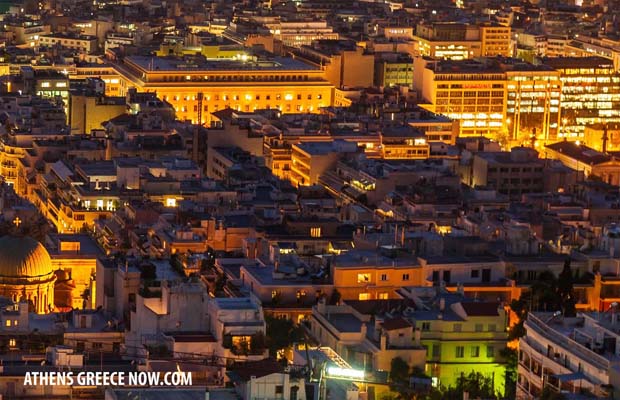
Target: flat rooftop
{"type": "Point", "coordinates": [197, 64]}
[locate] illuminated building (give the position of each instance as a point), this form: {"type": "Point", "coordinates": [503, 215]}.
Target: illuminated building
{"type": "Point", "coordinates": [26, 273]}
{"type": "Point", "coordinates": [297, 33]}
{"type": "Point", "coordinates": [311, 159]}
{"type": "Point", "coordinates": [27, 32]}
{"type": "Point", "coordinates": [195, 87]}
{"type": "Point", "coordinates": [393, 69]}
{"type": "Point", "coordinates": [471, 91]}
{"type": "Point", "coordinates": [460, 335]}
{"type": "Point", "coordinates": [82, 43]}
{"type": "Point", "coordinates": [89, 108]}
{"type": "Point", "coordinates": [602, 137]}
{"type": "Point", "coordinates": [586, 46]}
{"type": "Point", "coordinates": [344, 63]}
{"type": "Point", "coordinates": [403, 143]}
{"type": "Point", "coordinates": [533, 102]}
{"type": "Point", "coordinates": [374, 274]}
{"type": "Point", "coordinates": [377, 342]}
{"type": "Point", "coordinates": [586, 160]}
{"type": "Point", "coordinates": [457, 41]}
{"type": "Point", "coordinates": [556, 45]}
{"type": "Point", "coordinates": [590, 93]}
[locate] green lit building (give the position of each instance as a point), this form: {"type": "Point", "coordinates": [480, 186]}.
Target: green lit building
{"type": "Point", "coordinates": [393, 69]}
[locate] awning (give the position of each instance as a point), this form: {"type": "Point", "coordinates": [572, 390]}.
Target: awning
{"type": "Point", "coordinates": [575, 376]}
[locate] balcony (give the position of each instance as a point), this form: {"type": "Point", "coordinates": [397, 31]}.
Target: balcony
{"type": "Point", "coordinates": [570, 346]}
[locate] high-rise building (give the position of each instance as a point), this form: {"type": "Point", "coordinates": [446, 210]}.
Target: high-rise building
{"type": "Point", "coordinates": [471, 91]}
{"type": "Point", "coordinates": [533, 102]}
{"type": "Point", "coordinates": [590, 93]}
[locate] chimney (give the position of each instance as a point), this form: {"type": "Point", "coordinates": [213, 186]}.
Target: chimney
{"type": "Point", "coordinates": [322, 306]}
{"type": "Point", "coordinates": [377, 331]}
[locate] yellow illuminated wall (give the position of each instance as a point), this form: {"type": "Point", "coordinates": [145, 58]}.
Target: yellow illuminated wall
{"type": "Point", "coordinates": [290, 91]}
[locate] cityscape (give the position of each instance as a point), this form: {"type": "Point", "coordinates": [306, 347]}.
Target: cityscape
{"type": "Point", "coordinates": [310, 199]}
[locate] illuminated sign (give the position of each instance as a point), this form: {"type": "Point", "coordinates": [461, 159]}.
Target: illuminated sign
{"type": "Point", "coordinates": [337, 372]}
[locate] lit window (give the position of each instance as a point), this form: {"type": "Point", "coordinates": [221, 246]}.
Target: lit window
{"type": "Point", "coordinates": [384, 277]}
{"type": "Point", "coordinates": [45, 84]}
{"type": "Point", "coordinates": [171, 202]}
{"type": "Point", "coordinates": [61, 84]}
{"type": "Point", "coordinates": [99, 204]}
{"type": "Point", "coordinates": [383, 296]}
{"type": "Point", "coordinates": [8, 322]}
{"type": "Point", "coordinates": [15, 322]}
{"type": "Point", "coordinates": [315, 232]}
{"type": "Point", "coordinates": [363, 278]}
{"type": "Point", "coordinates": [364, 296]}
{"type": "Point", "coordinates": [12, 343]}
{"type": "Point", "coordinates": [288, 97]}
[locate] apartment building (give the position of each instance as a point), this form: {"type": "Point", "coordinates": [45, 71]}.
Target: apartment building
{"type": "Point", "coordinates": [86, 44]}
{"type": "Point", "coordinates": [513, 173]}
{"type": "Point", "coordinates": [570, 355]}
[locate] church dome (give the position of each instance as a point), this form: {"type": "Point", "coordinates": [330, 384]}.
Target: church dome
{"type": "Point", "coordinates": [23, 257]}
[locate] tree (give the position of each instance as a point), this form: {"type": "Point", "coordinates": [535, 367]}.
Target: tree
{"type": "Point", "coordinates": [258, 342]}
{"type": "Point", "coordinates": [335, 297]}
{"type": "Point", "coordinates": [476, 384]}
{"type": "Point", "coordinates": [511, 357]}
{"type": "Point", "coordinates": [399, 370]}
{"type": "Point", "coordinates": [281, 333]}
{"type": "Point", "coordinates": [565, 291]}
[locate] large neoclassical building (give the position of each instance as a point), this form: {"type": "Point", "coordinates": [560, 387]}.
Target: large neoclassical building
{"type": "Point", "coordinates": [26, 272]}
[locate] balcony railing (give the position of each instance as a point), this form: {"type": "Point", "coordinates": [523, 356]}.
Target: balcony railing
{"type": "Point", "coordinates": [569, 345]}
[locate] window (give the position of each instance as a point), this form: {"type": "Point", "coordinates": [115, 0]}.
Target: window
{"type": "Point", "coordinates": [460, 351]}
{"type": "Point", "coordinates": [492, 328]}
{"type": "Point", "coordinates": [405, 277]}
{"type": "Point", "coordinates": [15, 322]}
{"type": "Point", "coordinates": [279, 389]}
{"type": "Point", "coordinates": [457, 327]}
{"type": "Point", "coordinates": [478, 327]}
{"type": "Point", "coordinates": [8, 322]}
{"type": "Point", "coordinates": [384, 277]}
{"type": "Point", "coordinates": [315, 232]}
{"type": "Point", "coordinates": [12, 343]}
{"type": "Point", "coordinates": [436, 350]}
{"type": "Point", "coordinates": [426, 326]}
{"type": "Point", "coordinates": [490, 351]}
{"type": "Point", "coordinates": [475, 351]}
{"type": "Point", "coordinates": [364, 296]}
{"type": "Point", "coordinates": [383, 296]}
{"type": "Point", "coordinates": [475, 273]}
{"type": "Point", "coordinates": [363, 278]}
